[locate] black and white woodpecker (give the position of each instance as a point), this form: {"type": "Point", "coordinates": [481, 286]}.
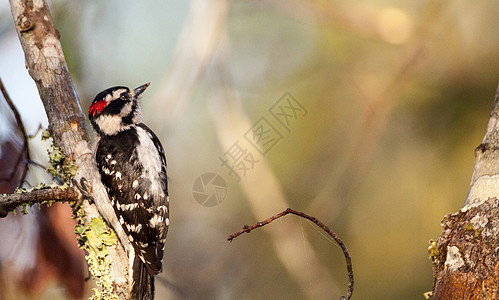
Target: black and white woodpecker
{"type": "Point", "coordinates": [132, 165]}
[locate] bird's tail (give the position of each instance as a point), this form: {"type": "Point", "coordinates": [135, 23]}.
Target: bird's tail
{"type": "Point", "coordinates": [142, 286]}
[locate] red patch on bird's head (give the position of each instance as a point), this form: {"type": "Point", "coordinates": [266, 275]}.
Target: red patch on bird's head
{"type": "Point", "coordinates": [97, 107]}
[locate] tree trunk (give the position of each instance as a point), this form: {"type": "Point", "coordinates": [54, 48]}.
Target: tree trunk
{"type": "Point", "coordinates": [465, 257]}
{"type": "Point", "coordinates": [47, 66]}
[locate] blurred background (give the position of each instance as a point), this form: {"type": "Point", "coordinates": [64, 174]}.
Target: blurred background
{"type": "Point", "coordinates": [364, 114]}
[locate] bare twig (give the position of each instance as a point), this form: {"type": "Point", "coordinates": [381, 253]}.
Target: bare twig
{"type": "Point", "coordinates": [230, 119]}
{"type": "Point", "coordinates": [36, 164]}
{"type": "Point", "coordinates": [20, 125]}
{"type": "Point", "coordinates": [38, 129]}
{"type": "Point", "coordinates": [248, 229]}
{"type": "Point", "coordinates": [10, 202]}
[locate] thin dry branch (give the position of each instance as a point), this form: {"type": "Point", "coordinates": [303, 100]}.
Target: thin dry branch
{"type": "Point", "coordinates": [9, 202]}
{"type": "Point", "coordinates": [25, 148]}
{"type": "Point", "coordinates": [248, 229]}
{"type": "Point", "coordinates": [231, 120]}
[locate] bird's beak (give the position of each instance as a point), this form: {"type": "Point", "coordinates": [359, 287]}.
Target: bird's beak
{"type": "Point", "coordinates": [138, 91]}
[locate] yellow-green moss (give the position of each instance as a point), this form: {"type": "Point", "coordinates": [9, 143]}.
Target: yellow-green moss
{"type": "Point", "coordinates": [468, 227]}
{"type": "Point", "coordinates": [433, 250]}
{"type": "Point", "coordinates": [95, 238]}
{"type": "Point", "coordinates": [59, 165]}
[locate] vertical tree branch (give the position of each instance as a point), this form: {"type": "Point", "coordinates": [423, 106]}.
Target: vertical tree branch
{"type": "Point", "coordinates": [47, 66]}
{"type": "Point", "coordinates": [465, 257]}
{"type": "Point", "coordinates": [485, 180]}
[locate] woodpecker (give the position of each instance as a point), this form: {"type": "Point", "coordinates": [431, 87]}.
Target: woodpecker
{"type": "Point", "coordinates": [132, 165]}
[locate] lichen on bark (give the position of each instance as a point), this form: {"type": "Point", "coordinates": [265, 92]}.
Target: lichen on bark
{"type": "Point", "coordinates": [95, 238]}
{"type": "Point", "coordinates": [465, 257]}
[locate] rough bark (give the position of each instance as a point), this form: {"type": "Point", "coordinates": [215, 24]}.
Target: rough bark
{"type": "Point", "coordinates": [46, 65]}
{"type": "Point", "coordinates": [10, 202]}
{"type": "Point", "coordinates": [465, 257]}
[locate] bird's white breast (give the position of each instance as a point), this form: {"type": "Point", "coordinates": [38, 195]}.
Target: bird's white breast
{"type": "Point", "coordinates": [151, 161]}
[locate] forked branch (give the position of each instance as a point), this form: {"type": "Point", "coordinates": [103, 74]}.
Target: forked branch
{"type": "Point", "coordinates": [248, 229]}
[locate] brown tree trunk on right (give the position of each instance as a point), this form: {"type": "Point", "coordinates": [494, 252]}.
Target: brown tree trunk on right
{"type": "Point", "coordinates": [465, 256]}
